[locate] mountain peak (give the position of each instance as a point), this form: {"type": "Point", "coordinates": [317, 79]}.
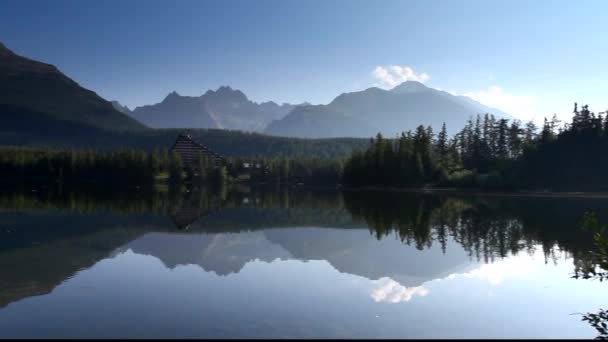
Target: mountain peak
{"type": "Point", "coordinates": [172, 95]}
{"type": "Point", "coordinates": [409, 87]}
{"type": "Point", "coordinates": [224, 89]}
{"type": "Point", "coordinates": [226, 92]}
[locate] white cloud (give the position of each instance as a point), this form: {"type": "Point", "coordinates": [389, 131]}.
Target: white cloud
{"type": "Point", "coordinates": [521, 106]}
{"type": "Point", "coordinates": [393, 75]}
{"type": "Point", "coordinates": [520, 265]}
{"type": "Point", "coordinates": [392, 292]}
{"type": "Point", "coordinates": [496, 273]}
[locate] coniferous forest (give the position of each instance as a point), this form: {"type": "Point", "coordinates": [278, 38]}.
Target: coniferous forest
{"type": "Point", "coordinates": [131, 168]}
{"type": "Point", "coordinates": [490, 153]}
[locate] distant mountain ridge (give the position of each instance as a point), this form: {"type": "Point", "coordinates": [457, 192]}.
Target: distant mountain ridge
{"type": "Point", "coordinates": [365, 113]}
{"type": "Point", "coordinates": [356, 114]}
{"type": "Point", "coordinates": [224, 108]}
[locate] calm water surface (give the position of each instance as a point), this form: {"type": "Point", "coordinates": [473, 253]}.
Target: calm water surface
{"type": "Point", "coordinates": [272, 264]}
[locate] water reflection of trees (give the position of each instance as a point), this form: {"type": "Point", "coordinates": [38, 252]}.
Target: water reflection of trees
{"type": "Point", "coordinates": [487, 228]}
{"type": "Point", "coordinates": [595, 267]}
{"type": "Point", "coordinates": [158, 201]}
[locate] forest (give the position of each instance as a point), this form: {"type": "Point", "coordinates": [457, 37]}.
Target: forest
{"type": "Point", "coordinates": [37, 130]}
{"type": "Point", "coordinates": [131, 168]}
{"type": "Point", "coordinates": [490, 153]}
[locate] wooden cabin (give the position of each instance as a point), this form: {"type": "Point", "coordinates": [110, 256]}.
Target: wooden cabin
{"type": "Point", "coordinates": [187, 149]}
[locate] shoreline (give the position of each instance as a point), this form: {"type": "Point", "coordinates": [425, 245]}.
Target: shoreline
{"type": "Point", "coordinates": [445, 190]}
{"type": "Point", "coordinates": [454, 191]}
{"type": "Point", "coordinates": [420, 190]}
{"type": "Point", "coordinates": [479, 192]}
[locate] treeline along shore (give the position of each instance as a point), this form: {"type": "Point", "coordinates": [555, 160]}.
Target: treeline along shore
{"type": "Point", "coordinates": [490, 153]}
{"type": "Point", "coordinates": [487, 154]}
{"type": "Point", "coordinates": [132, 168]}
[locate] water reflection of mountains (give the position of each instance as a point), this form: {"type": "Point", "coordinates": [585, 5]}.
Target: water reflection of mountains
{"type": "Point", "coordinates": [47, 240]}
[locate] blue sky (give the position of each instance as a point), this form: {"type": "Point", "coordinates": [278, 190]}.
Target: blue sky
{"type": "Point", "coordinates": [531, 58]}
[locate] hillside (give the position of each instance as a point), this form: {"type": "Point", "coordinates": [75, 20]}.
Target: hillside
{"type": "Point", "coordinates": [224, 142]}
{"type": "Point", "coordinates": [28, 86]}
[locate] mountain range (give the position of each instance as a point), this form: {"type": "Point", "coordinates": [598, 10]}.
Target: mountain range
{"type": "Point", "coordinates": [36, 99]}
{"type": "Point", "coordinates": [224, 108]}
{"type": "Point", "coordinates": [365, 113]}
{"type": "Point", "coordinates": [356, 114]}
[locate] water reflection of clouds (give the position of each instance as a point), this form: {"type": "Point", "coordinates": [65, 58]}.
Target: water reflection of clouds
{"type": "Point", "coordinates": [497, 272]}
{"type": "Point", "coordinates": [390, 291]}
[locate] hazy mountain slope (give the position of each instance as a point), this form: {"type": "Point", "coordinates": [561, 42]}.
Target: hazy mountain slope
{"type": "Point", "coordinates": [38, 87]}
{"type": "Point", "coordinates": [275, 111]}
{"type": "Point", "coordinates": [119, 107]}
{"type": "Point", "coordinates": [233, 110]}
{"type": "Point", "coordinates": [175, 111]}
{"type": "Point", "coordinates": [319, 122]}
{"type": "Point", "coordinates": [224, 108]}
{"type": "Point", "coordinates": [389, 112]}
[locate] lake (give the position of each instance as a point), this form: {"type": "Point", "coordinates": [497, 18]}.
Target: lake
{"type": "Point", "coordinates": [294, 264]}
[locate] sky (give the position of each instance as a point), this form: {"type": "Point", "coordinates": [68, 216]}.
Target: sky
{"type": "Point", "coordinates": [529, 58]}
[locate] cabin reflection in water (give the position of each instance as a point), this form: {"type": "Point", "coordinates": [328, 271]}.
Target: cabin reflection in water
{"type": "Point", "coordinates": [185, 215]}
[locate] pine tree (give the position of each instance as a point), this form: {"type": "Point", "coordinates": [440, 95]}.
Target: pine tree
{"type": "Point", "coordinates": [442, 146]}
{"type": "Point", "coordinates": [515, 140]}
{"type": "Point", "coordinates": [422, 147]}
{"type": "Point", "coordinates": [476, 155]}
{"type": "Point", "coordinates": [419, 170]}
{"type": "Point", "coordinates": [502, 144]}
{"type": "Point", "coordinates": [546, 135]}
{"type": "Point", "coordinates": [530, 133]}
{"type": "Point", "coordinates": [487, 127]}
{"type": "Point", "coordinates": [554, 125]}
